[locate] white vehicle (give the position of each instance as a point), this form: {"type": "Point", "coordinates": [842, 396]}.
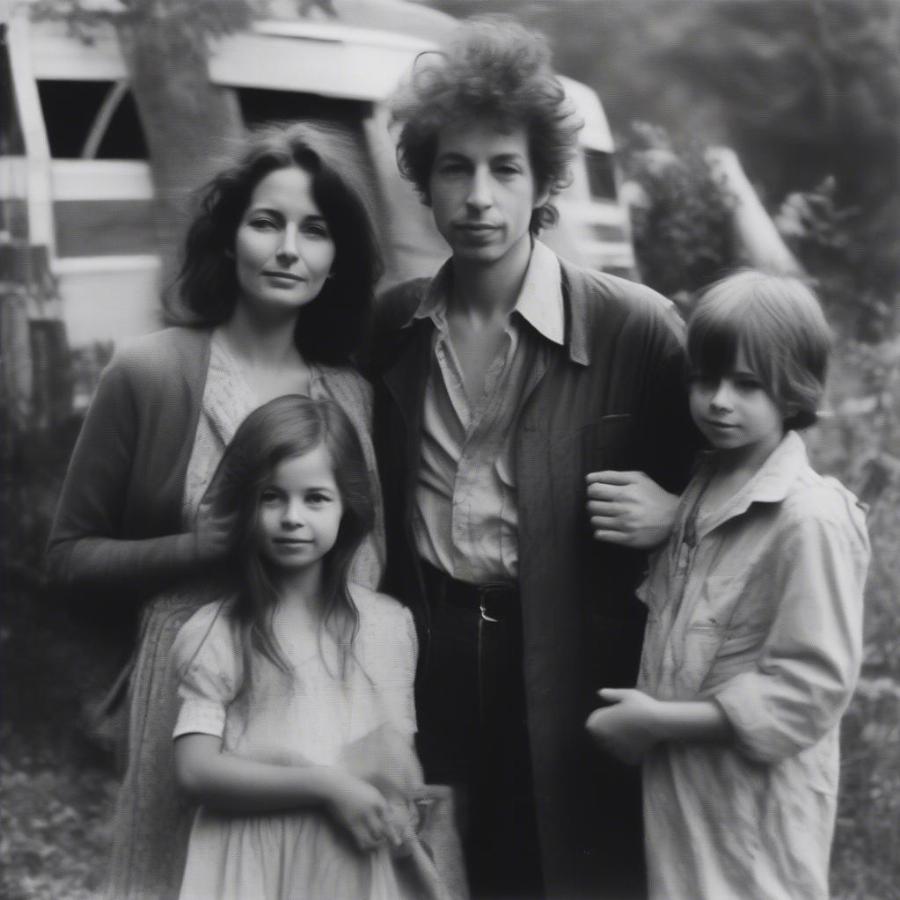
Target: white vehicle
{"type": "Point", "coordinates": [74, 175]}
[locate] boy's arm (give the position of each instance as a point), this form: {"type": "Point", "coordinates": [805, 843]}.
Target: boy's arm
{"type": "Point", "coordinates": [636, 722]}
{"type": "Point", "coordinates": [808, 667]}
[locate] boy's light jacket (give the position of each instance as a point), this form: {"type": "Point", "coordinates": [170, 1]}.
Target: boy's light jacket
{"type": "Point", "coordinates": [764, 616]}
{"type": "Point", "coordinates": [612, 397]}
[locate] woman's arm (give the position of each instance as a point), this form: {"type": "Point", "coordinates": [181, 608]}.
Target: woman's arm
{"type": "Point", "coordinates": [231, 783]}
{"type": "Point", "coordinates": [86, 545]}
{"type": "Point", "coordinates": [636, 722]}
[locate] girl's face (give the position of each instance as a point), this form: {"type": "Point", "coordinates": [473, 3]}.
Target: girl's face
{"type": "Point", "coordinates": [300, 510]}
{"type": "Point", "coordinates": [283, 247]}
{"type": "Point", "coordinates": [736, 414]}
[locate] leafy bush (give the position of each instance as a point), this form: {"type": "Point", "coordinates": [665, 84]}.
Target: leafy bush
{"type": "Point", "coordinates": [680, 214]}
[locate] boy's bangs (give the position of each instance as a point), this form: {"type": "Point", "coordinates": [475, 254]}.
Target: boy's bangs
{"type": "Point", "coordinates": [713, 344]}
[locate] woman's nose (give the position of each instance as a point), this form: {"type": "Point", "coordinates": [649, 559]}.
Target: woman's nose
{"type": "Point", "coordinates": [287, 251]}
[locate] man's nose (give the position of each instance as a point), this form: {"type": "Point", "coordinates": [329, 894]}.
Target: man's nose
{"type": "Point", "coordinates": [480, 195]}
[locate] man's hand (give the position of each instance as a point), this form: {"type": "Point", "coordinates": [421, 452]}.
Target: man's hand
{"type": "Point", "coordinates": [629, 509]}
{"type": "Point", "coordinates": [628, 729]}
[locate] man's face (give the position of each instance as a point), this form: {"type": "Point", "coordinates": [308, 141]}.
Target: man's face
{"type": "Point", "coordinates": [483, 191]}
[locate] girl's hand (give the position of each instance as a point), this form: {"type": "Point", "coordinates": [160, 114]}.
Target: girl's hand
{"type": "Point", "coordinates": [629, 728]}
{"type": "Point", "coordinates": [359, 808]}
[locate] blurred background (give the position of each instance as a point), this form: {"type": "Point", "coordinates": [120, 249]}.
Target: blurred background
{"type": "Point", "coordinates": [717, 133]}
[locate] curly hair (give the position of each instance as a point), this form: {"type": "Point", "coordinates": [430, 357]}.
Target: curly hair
{"type": "Point", "coordinates": [492, 69]}
{"type": "Point", "coordinates": [333, 327]}
{"type": "Point", "coordinates": [777, 323]}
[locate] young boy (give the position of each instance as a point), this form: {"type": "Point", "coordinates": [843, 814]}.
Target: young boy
{"type": "Point", "coordinates": [755, 631]}
{"type": "Point", "coordinates": [500, 384]}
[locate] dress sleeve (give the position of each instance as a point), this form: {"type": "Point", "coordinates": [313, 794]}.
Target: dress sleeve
{"type": "Point", "coordinates": [808, 667]}
{"type": "Point", "coordinates": [207, 671]}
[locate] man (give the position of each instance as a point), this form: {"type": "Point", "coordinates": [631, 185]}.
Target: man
{"type": "Point", "coordinates": [500, 384]}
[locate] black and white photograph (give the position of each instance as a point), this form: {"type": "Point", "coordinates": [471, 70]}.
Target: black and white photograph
{"type": "Point", "coordinates": [450, 449]}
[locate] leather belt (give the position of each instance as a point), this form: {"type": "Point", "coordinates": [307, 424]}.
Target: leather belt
{"type": "Point", "coordinates": [494, 601]}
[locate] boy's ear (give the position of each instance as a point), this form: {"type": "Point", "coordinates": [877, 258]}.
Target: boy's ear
{"type": "Point", "coordinates": [791, 408]}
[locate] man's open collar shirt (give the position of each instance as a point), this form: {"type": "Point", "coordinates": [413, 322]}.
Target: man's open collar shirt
{"type": "Point", "coordinates": [466, 512]}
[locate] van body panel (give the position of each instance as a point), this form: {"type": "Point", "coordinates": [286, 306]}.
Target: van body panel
{"type": "Point", "coordinates": [330, 68]}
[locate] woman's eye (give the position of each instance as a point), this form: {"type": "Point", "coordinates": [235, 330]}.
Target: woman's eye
{"type": "Point", "coordinates": [269, 497]}
{"type": "Point", "coordinates": [316, 229]}
{"type": "Point", "coordinates": [317, 499]}
{"type": "Point", "coordinates": [262, 224]}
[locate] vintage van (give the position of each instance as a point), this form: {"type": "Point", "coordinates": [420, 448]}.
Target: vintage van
{"type": "Point", "coordinates": [74, 172]}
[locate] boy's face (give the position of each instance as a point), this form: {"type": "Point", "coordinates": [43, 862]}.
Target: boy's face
{"type": "Point", "coordinates": [483, 191]}
{"type": "Point", "coordinates": [735, 413]}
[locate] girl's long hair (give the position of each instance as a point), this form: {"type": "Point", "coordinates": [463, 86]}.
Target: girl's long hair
{"type": "Point", "coordinates": [283, 429]}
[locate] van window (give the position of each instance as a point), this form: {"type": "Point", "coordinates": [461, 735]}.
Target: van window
{"type": "Point", "coordinates": [601, 174]}
{"type": "Point", "coordinates": [259, 105]}
{"type": "Point", "coordinates": [91, 119]}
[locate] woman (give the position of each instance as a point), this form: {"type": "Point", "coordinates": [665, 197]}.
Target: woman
{"type": "Point", "coordinates": [280, 264]}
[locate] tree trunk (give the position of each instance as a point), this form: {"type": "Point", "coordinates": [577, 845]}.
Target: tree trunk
{"type": "Point", "coordinates": [188, 122]}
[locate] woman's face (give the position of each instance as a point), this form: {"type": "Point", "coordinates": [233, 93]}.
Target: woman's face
{"type": "Point", "coordinates": [283, 247]}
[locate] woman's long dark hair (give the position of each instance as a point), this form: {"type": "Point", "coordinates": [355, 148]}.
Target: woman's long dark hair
{"type": "Point", "coordinates": [279, 430]}
{"type": "Point", "coordinates": [333, 327]}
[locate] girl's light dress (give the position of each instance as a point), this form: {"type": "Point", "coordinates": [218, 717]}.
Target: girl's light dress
{"type": "Point", "coordinates": [763, 615]}
{"type": "Point", "coordinates": [308, 716]}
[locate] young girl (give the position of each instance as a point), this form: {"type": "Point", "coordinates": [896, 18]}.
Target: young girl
{"type": "Point", "coordinates": [753, 639]}
{"type": "Point", "coordinates": [296, 721]}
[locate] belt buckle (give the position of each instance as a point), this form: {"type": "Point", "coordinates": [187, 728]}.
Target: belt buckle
{"type": "Point", "coordinates": [484, 595]}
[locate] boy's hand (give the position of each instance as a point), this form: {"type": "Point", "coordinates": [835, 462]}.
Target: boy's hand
{"type": "Point", "coordinates": [627, 729]}
{"type": "Point", "coordinates": [361, 809]}
{"type": "Point", "coordinates": [629, 509]}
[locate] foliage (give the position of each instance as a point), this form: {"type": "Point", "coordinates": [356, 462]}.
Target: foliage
{"type": "Point", "coordinates": [680, 217]}
{"type": "Point", "coordinates": [199, 17]}
{"type": "Point", "coordinates": [826, 239]}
